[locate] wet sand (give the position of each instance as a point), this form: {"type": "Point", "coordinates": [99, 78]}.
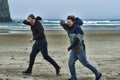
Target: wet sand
{"type": "Point", "coordinates": [102, 51]}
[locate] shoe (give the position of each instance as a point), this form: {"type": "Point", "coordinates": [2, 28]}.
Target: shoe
{"type": "Point", "coordinates": [71, 79]}
{"type": "Point", "coordinates": [58, 70]}
{"type": "Point", "coordinates": [99, 77]}
{"type": "Point", "coordinates": [27, 72]}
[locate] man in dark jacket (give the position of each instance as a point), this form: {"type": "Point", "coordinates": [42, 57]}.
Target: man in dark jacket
{"type": "Point", "coordinates": [40, 44]}
{"type": "Point", "coordinates": [77, 46]}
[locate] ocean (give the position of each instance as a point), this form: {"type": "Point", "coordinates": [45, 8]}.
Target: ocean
{"type": "Point", "coordinates": [53, 24]}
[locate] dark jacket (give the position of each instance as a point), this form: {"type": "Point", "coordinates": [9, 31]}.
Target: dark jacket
{"type": "Point", "coordinates": [76, 35]}
{"type": "Point", "coordinates": [37, 30]}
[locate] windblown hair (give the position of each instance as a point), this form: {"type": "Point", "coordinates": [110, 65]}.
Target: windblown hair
{"type": "Point", "coordinates": [71, 17]}
{"type": "Point", "coordinates": [33, 17]}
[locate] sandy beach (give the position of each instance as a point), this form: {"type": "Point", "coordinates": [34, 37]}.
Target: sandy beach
{"type": "Point", "coordinates": [102, 51]}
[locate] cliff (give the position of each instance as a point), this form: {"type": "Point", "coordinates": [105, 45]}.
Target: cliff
{"type": "Point", "coordinates": [4, 11]}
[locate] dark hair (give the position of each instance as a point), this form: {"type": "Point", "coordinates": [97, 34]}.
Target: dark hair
{"type": "Point", "coordinates": [31, 16]}
{"type": "Point", "coordinates": [71, 17]}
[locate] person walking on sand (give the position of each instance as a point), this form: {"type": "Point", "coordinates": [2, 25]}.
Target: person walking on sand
{"type": "Point", "coordinates": [77, 47]}
{"type": "Point", "coordinates": [40, 44]}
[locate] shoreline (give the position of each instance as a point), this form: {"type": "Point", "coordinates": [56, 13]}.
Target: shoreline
{"type": "Point", "coordinates": [28, 32]}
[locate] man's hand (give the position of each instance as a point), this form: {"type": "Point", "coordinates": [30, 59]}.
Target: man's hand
{"type": "Point", "coordinates": [31, 40]}
{"type": "Point", "coordinates": [69, 48]}
{"type": "Point", "coordinates": [62, 22]}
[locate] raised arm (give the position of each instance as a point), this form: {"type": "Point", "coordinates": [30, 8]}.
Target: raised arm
{"type": "Point", "coordinates": [64, 25]}
{"type": "Point", "coordinates": [25, 22]}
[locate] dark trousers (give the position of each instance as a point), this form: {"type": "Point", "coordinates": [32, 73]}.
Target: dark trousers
{"type": "Point", "coordinates": [41, 47]}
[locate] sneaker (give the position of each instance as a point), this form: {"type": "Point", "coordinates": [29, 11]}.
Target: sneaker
{"type": "Point", "coordinates": [58, 70]}
{"type": "Point", "coordinates": [99, 77]}
{"type": "Point", "coordinates": [27, 72]}
{"type": "Point", "coordinates": [71, 79]}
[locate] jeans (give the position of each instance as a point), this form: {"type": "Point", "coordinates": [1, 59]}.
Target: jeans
{"type": "Point", "coordinates": [41, 47]}
{"type": "Point", "coordinates": [81, 56]}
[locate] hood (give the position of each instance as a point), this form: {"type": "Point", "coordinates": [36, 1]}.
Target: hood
{"type": "Point", "coordinates": [78, 21]}
{"type": "Point", "coordinates": [38, 18]}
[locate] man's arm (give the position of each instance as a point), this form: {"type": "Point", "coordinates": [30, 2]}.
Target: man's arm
{"type": "Point", "coordinates": [78, 38]}
{"type": "Point", "coordinates": [25, 22]}
{"type": "Point", "coordinates": [76, 42]}
{"type": "Point", "coordinates": [64, 25]}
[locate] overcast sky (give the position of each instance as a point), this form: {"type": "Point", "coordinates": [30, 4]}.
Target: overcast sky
{"type": "Point", "coordinates": [52, 9]}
